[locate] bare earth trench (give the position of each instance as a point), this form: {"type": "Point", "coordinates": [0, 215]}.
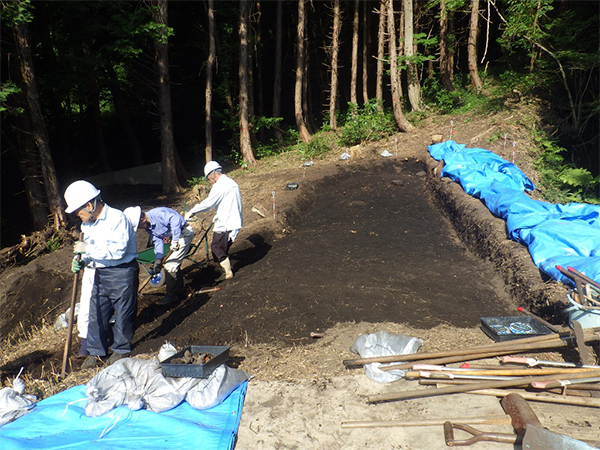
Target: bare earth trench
{"type": "Point", "coordinates": [365, 245]}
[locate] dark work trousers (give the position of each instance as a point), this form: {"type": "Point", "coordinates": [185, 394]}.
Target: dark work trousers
{"type": "Point", "coordinates": [114, 292]}
{"type": "Point", "coordinates": [220, 245]}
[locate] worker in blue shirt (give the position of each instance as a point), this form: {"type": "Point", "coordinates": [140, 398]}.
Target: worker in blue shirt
{"type": "Point", "coordinates": [110, 247]}
{"type": "Point", "coordinates": [163, 223]}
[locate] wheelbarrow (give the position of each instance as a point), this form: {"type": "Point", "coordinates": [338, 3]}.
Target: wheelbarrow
{"type": "Point", "coordinates": [147, 257]}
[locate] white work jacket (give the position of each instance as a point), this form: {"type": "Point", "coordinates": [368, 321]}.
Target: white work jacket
{"type": "Point", "coordinates": [225, 197]}
{"type": "Point", "coordinates": [110, 238]}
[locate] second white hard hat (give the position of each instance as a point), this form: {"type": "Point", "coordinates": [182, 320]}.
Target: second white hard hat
{"type": "Point", "coordinates": [78, 194]}
{"type": "Point", "coordinates": [211, 166]}
{"type": "Point", "coordinates": [133, 214]}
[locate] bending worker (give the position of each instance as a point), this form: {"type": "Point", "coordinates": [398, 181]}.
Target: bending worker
{"type": "Point", "coordinates": [110, 247]}
{"type": "Point", "coordinates": [226, 199]}
{"type": "Point", "coordinates": [163, 223]}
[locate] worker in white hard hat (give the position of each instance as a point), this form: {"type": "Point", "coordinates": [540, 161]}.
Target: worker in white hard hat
{"type": "Point", "coordinates": [110, 247]}
{"type": "Point", "coordinates": [165, 223]}
{"type": "Point", "coordinates": [226, 199]}
{"type": "Point", "coordinates": [87, 283]}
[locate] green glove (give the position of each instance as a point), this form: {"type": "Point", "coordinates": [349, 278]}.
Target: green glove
{"type": "Point", "coordinates": [77, 264]}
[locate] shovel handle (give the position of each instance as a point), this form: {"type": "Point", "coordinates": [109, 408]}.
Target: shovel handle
{"type": "Point", "coordinates": [476, 435]}
{"type": "Point", "coordinates": [71, 319]}
{"type": "Point", "coordinates": [583, 277]}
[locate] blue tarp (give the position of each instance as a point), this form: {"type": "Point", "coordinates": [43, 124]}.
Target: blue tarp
{"type": "Point", "coordinates": [59, 422]}
{"type": "Point", "coordinates": [555, 234]}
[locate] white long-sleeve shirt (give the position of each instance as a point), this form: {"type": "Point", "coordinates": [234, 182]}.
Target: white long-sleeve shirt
{"type": "Point", "coordinates": [225, 197]}
{"type": "Point", "coordinates": [110, 238]}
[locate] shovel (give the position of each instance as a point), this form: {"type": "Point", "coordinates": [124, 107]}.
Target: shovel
{"type": "Point", "coordinates": [538, 438]}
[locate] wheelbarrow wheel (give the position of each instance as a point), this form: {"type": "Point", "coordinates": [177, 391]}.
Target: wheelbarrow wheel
{"type": "Point", "coordinates": [159, 279]}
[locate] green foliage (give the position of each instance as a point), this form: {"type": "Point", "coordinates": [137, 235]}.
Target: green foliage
{"type": "Point", "coordinates": [421, 41]}
{"type": "Point", "coordinates": [458, 101]}
{"type": "Point", "coordinates": [365, 124]}
{"type": "Point", "coordinates": [198, 181]}
{"type": "Point", "coordinates": [6, 90]}
{"type": "Point", "coordinates": [271, 147]}
{"type": "Point", "coordinates": [525, 24]}
{"type": "Point", "coordinates": [563, 182]}
{"type": "Point", "coordinates": [316, 148]}
{"type": "Point", "coordinates": [16, 12]}
{"type": "Point", "coordinates": [511, 81]}
{"type": "Point", "coordinates": [53, 244]}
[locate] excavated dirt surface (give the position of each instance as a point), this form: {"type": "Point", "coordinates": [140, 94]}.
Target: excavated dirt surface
{"type": "Point", "coordinates": [370, 246]}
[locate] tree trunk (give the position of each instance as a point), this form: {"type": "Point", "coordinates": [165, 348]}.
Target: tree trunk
{"type": "Point", "coordinates": [380, 55]}
{"type": "Point", "coordinates": [260, 107]}
{"type": "Point", "coordinates": [117, 97]}
{"type": "Point", "coordinates": [210, 64]}
{"type": "Point", "coordinates": [29, 162]}
{"type": "Point", "coordinates": [300, 124]}
{"type": "Point", "coordinates": [412, 74]}
{"type": "Point", "coordinates": [306, 105]}
{"type": "Point", "coordinates": [354, 63]}
{"type": "Point", "coordinates": [245, 141]}
{"type": "Point", "coordinates": [94, 116]}
{"type": "Point", "coordinates": [277, 79]}
{"type": "Point", "coordinates": [445, 75]}
{"type": "Point", "coordinates": [170, 182]}
{"type": "Point", "coordinates": [365, 53]}
{"type": "Point", "coordinates": [472, 46]}
{"type": "Point", "coordinates": [401, 121]}
{"type": "Point", "coordinates": [39, 131]}
{"type": "Point", "coordinates": [335, 50]}
{"type": "Point", "coordinates": [534, 27]}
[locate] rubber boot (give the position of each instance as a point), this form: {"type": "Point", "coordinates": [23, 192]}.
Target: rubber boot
{"type": "Point", "coordinates": [83, 348]}
{"type": "Point", "coordinates": [226, 265]}
{"type": "Point", "coordinates": [173, 286]}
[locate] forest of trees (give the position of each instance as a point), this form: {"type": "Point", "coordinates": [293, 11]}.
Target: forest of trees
{"type": "Point", "coordinates": [94, 86]}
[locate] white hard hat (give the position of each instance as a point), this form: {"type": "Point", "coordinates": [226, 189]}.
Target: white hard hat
{"type": "Point", "coordinates": [211, 166]}
{"type": "Point", "coordinates": [78, 194]}
{"type": "Point", "coordinates": [133, 214]}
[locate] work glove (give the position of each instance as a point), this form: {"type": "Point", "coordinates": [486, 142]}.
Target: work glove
{"type": "Point", "coordinates": [77, 264]}
{"type": "Point", "coordinates": [80, 247]}
{"type": "Point", "coordinates": [157, 267]}
{"type": "Point", "coordinates": [189, 215]}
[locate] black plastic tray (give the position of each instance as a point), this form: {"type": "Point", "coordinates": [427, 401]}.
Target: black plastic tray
{"type": "Point", "coordinates": [220, 354]}
{"type": "Point", "coordinates": [513, 327]}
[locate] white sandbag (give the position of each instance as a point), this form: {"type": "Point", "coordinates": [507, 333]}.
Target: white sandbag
{"type": "Point", "coordinates": [213, 390]}
{"type": "Point", "coordinates": [136, 383]}
{"type": "Point", "coordinates": [14, 404]}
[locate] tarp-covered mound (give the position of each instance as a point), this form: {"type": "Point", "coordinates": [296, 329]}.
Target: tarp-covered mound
{"type": "Point", "coordinates": [555, 234]}
{"type": "Point", "coordinates": [131, 404]}
{"type": "Point", "coordinates": [59, 422]}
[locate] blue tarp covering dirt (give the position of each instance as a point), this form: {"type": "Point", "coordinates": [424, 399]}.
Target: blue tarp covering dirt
{"type": "Point", "coordinates": [59, 422]}
{"type": "Point", "coordinates": [555, 234]}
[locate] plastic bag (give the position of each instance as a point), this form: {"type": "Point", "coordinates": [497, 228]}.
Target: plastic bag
{"type": "Point", "coordinates": [383, 343]}
{"type": "Point", "coordinates": [62, 321]}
